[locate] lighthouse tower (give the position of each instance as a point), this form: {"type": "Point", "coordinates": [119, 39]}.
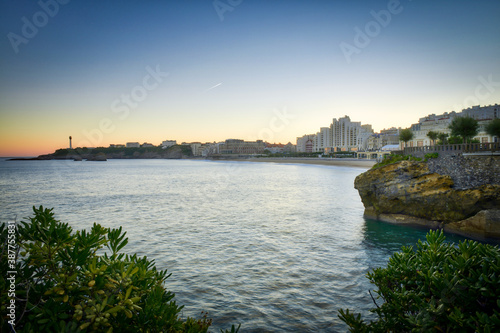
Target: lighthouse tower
{"type": "Point", "coordinates": [70, 147]}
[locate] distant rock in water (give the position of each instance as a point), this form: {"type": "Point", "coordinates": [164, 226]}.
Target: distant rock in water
{"type": "Point", "coordinates": [408, 192]}
{"type": "Point", "coordinates": [101, 157]}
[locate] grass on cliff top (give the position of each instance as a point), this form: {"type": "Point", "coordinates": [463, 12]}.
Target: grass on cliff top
{"type": "Point", "coordinates": [398, 158]}
{"type": "Point", "coordinates": [390, 159]}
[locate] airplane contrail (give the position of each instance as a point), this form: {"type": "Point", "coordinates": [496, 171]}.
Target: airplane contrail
{"type": "Point", "coordinates": [218, 84]}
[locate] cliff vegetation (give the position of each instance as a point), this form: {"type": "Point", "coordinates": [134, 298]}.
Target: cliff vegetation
{"type": "Point", "coordinates": [101, 153]}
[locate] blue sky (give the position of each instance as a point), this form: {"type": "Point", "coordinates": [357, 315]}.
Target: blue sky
{"type": "Point", "coordinates": [270, 70]}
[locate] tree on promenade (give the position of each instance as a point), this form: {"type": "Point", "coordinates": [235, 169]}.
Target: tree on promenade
{"type": "Point", "coordinates": [443, 137]}
{"type": "Point", "coordinates": [493, 128]}
{"type": "Point", "coordinates": [433, 136]}
{"type": "Point", "coordinates": [405, 135]}
{"type": "Point", "coordinates": [466, 127]}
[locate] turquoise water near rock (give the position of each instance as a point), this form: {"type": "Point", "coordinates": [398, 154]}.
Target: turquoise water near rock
{"type": "Point", "coordinates": [275, 247]}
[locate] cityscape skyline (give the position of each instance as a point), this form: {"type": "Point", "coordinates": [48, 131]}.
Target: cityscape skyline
{"type": "Point", "coordinates": [108, 73]}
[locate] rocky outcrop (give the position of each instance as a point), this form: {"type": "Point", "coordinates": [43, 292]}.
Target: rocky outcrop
{"type": "Point", "coordinates": [408, 192]}
{"type": "Point", "coordinates": [101, 157]}
{"type": "Point", "coordinates": [102, 154]}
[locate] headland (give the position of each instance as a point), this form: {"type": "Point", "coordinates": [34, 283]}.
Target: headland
{"type": "Point", "coordinates": [460, 194]}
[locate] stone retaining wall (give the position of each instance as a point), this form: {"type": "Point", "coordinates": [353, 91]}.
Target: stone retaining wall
{"type": "Point", "coordinates": [467, 171]}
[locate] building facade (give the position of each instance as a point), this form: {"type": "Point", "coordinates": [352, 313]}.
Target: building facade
{"type": "Point", "coordinates": [440, 124]}
{"type": "Point", "coordinates": [168, 143]}
{"type": "Point", "coordinates": [302, 142]}
{"type": "Point", "coordinates": [241, 147]}
{"type": "Point", "coordinates": [133, 145]}
{"type": "Point", "coordinates": [342, 135]}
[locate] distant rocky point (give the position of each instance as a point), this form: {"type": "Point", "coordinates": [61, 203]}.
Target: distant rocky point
{"type": "Point", "coordinates": [103, 154]}
{"type": "Point", "coordinates": [456, 193]}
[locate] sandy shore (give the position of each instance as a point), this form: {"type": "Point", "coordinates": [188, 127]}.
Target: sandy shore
{"type": "Point", "coordinates": [347, 162]}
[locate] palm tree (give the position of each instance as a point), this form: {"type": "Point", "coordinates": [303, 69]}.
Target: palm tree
{"type": "Point", "coordinates": [493, 128]}
{"type": "Point", "coordinates": [433, 136]}
{"type": "Point", "coordinates": [405, 135]}
{"type": "Point", "coordinates": [466, 127]}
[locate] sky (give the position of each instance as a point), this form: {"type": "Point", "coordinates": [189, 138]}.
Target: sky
{"type": "Point", "coordinates": [111, 72]}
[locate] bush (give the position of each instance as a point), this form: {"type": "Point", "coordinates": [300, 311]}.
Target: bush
{"type": "Point", "coordinates": [69, 281]}
{"type": "Point", "coordinates": [455, 140]}
{"type": "Point", "coordinates": [431, 155]}
{"type": "Point", "coordinates": [439, 287]}
{"type": "Point", "coordinates": [389, 159]}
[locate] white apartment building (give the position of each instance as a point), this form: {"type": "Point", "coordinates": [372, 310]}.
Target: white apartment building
{"type": "Point", "coordinates": [479, 113]}
{"type": "Point", "coordinates": [342, 135]}
{"type": "Point", "coordinates": [133, 145]}
{"type": "Point", "coordinates": [168, 143]}
{"type": "Point", "coordinates": [364, 136]}
{"type": "Point", "coordinates": [322, 140]}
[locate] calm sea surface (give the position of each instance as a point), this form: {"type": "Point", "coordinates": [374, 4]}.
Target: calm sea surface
{"type": "Point", "coordinates": [275, 247]}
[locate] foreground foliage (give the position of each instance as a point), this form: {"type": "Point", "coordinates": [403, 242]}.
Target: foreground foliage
{"type": "Point", "coordinates": [63, 284]}
{"type": "Point", "coordinates": [437, 288]}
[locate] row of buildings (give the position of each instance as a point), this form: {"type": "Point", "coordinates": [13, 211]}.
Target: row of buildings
{"type": "Point", "coordinates": [343, 135]}
{"type": "Point", "coordinates": [227, 147]}
{"type": "Point", "coordinates": [239, 147]}
{"type": "Point", "coordinates": [346, 135]}
{"type": "Point", "coordinates": [440, 123]}
{"type": "Point", "coordinates": [165, 144]}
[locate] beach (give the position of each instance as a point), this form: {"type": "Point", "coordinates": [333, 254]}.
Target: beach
{"type": "Point", "coordinates": [347, 162]}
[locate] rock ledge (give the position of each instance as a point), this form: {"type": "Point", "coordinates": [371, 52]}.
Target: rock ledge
{"type": "Point", "coordinates": [408, 192]}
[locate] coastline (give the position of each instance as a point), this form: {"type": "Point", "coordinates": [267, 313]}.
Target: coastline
{"type": "Point", "coordinates": [346, 162]}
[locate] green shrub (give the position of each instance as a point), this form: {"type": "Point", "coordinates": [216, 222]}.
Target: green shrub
{"type": "Point", "coordinates": [389, 159]}
{"type": "Point", "coordinates": [430, 155]}
{"type": "Point", "coordinates": [79, 281]}
{"type": "Point", "coordinates": [439, 287]}
{"type": "Point", "coordinates": [455, 140]}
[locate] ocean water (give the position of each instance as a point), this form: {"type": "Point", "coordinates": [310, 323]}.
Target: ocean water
{"type": "Point", "coordinates": [275, 247]}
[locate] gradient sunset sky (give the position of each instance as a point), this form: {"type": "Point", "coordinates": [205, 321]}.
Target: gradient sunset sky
{"type": "Point", "coordinates": [272, 70]}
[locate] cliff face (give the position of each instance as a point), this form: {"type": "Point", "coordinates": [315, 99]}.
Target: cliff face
{"type": "Point", "coordinates": [408, 192]}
